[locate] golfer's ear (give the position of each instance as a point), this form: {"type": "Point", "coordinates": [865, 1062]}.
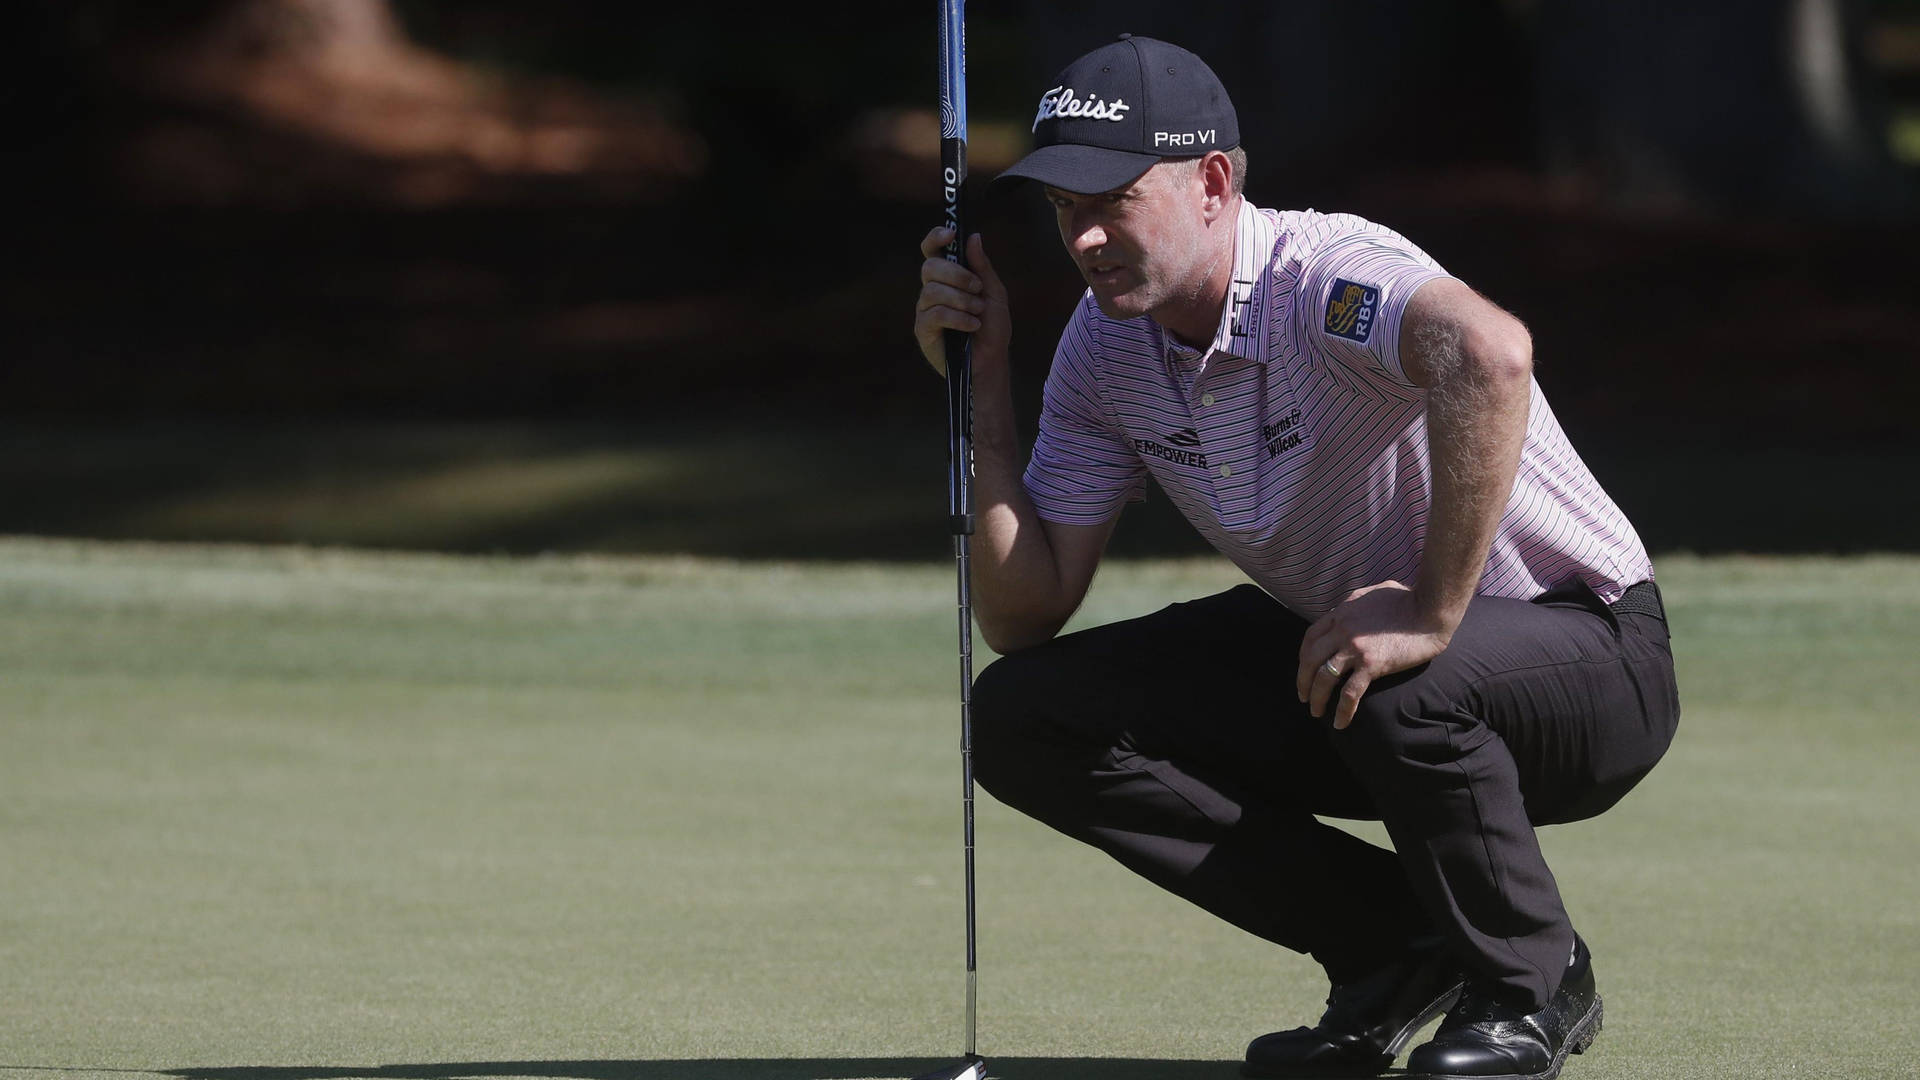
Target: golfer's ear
{"type": "Point", "coordinates": [1216, 179]}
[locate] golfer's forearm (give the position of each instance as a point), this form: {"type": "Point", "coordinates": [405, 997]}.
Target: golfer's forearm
{"type": "Point", "coordinates": [1019, 593]}
{"type": "Point", "coordinates": [1476, 424]}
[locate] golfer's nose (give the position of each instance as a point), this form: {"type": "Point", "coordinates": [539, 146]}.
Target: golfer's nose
{"type": "Point", "coordinates": [1087, 235]}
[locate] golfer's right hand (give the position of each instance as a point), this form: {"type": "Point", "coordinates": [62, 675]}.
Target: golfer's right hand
{"type": "Point", "coordinates": [954, 297]}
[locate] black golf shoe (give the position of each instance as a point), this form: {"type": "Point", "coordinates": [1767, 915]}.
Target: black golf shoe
{"type": "Point", "coordinates": [1367, 1022]}
{"type": "Point", "coordinates": [1482, 1039]}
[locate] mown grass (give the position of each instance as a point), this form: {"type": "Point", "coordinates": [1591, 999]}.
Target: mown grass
{"type": "Point", "coordinates": [292, 813]}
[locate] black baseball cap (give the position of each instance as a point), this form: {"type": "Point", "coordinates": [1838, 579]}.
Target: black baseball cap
{"type": "Point", "coordinates": [1117, 110]}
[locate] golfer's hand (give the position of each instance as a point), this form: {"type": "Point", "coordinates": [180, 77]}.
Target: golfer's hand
{"type": "Point", "coordinates": [1373, 633]}
{"type": "Point", "coordinates": [969, 298]}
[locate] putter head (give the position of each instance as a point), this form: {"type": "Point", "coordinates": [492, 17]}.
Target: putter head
{"type": "Point", "coordinates": [971, 1067]}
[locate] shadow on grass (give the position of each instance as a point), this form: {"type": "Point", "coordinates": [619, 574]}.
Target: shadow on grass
{"type": "Point", "coordinates": [1010, 1068]}
{"type": "Point", "coordinates": [874, 490]}
{"type": "Point", "coordinates": [1014, 1068]}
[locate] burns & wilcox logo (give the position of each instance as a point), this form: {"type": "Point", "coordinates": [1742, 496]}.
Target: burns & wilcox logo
{"type": "Point", "coordinates": [1062, 103]}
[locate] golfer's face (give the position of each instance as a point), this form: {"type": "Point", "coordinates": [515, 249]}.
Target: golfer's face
{"type": "Point", "coordinates": [1133, 245]}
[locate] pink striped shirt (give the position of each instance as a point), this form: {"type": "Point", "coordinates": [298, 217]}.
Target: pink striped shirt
{"type": "Point", "coordinates": [1295, 443]}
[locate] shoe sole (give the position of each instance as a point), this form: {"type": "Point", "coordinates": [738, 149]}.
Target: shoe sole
{"type": "Point", "coordinates": [1584, 1031]}
{"type": "Point", "coordinates": [1434, 1010]}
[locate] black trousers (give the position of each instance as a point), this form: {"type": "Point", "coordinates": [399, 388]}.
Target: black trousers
{"type": "Point", "coordinates": [1175, 743]}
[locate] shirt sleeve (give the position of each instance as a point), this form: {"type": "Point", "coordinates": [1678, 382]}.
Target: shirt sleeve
{"type": "Point", "coordinates": [1353, 289]}
{"type": "Point", "coordinates": [1083, 469]}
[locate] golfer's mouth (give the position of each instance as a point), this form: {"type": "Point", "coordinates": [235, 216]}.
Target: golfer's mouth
{"type": "Point", "coordinates": [1104, 273]}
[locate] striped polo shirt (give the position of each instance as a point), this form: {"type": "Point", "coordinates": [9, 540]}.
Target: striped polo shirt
{"type": "Point", "coordinates": [1295, 443]}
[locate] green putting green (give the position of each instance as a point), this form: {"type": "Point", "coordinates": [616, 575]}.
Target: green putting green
{"type": "Point", "coordinates": [291, 814]}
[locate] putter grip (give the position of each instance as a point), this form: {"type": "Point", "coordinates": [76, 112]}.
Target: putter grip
{"type": "Point", "coordinates": [953, 179]}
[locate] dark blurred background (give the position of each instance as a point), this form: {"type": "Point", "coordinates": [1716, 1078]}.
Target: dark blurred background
{"type": "Point", "coordinates": [490, 276]}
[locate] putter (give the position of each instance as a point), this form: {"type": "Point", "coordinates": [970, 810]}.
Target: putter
{"type": "Point", "coordinates": [953, 175]}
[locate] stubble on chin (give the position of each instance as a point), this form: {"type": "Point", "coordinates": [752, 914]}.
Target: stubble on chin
{"type": "Point", "coordinates": [1120, 308]}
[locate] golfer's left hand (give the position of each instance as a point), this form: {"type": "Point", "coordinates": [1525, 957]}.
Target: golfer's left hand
{"type": "Point", "coordinates": [1373, 633]}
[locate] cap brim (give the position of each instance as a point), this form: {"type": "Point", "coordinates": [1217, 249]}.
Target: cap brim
{"type": "Point", "coordinates": [1083, 170]}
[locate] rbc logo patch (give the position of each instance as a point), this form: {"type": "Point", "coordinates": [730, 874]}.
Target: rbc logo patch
{"type": "Point", "coordinates": [1350, 310]}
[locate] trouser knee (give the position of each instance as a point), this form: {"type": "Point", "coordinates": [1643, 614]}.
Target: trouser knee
{"type": "Point", "coordinates": [1015, 739]}
{"type": "Point", "coordinates": [995, 709]}
{"type": "Point", "coordinates": [1395, 731]}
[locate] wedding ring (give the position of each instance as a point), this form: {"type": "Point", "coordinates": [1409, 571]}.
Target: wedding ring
{"type": "Point", "coordinates": [1330, 669]}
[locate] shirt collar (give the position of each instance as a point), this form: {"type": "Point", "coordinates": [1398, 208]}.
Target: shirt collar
{"type": "Point", "coordinates": [1243, 316]}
